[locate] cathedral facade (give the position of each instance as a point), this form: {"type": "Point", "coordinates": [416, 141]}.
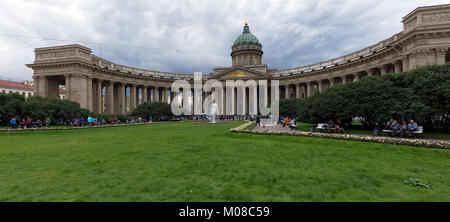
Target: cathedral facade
{"type": "Point", "coordinates": [105, 87]}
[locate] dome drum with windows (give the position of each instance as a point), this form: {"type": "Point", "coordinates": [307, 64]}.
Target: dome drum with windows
{"type": "Point", "coordinates": [246, 50]}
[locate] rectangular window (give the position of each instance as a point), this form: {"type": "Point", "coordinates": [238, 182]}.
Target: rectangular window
{"type": "Point", "coordinates": [240, 61]}
{"type": "Point", "coordinates": [29, 94]}
{"type": "Point", "coordinates": [245, 60]}
{"type": "Point", "coordinates": [251, 60]}
{"type": "Point", "coordinates": [23, 94]}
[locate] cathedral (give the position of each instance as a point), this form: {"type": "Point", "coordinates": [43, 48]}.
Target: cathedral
{"type": "Point", "coordinates": [106, 87]}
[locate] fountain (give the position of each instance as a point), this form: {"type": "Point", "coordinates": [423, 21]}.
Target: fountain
{"type": "Point", "coordinates": [214, 109]}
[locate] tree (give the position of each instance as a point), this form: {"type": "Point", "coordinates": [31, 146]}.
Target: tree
{"type": "Point", "coordinates": [11, 105]}
{"type": "Point", "coordinates": [422, 94]}
{"type": "Point", "coordinates": [156, 110]}
{"type": "Point", "coordinates": [289, 107]}
{"type": "Point", "coordinates": [143, 110]}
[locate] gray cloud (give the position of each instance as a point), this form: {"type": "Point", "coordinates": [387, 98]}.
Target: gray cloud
{"type": "Point", "coordinates": [186, 36]}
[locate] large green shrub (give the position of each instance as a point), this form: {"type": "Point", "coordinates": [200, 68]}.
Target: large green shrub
{"type": "Point", "coordinates": [422, 94]}
{"type": "Point", "coordinates": [155, 110]}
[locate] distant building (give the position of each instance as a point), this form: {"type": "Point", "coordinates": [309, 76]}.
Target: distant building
{"type": "Point", "coordinates": [25, 89]}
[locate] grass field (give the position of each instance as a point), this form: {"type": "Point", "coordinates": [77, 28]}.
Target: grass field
{"type": "Point", "coordinates": [202, 162]}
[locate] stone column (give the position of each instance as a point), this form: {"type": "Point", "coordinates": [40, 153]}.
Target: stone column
{"type": "Point", "coordinates": [110, 95]}
{"type": "Point", "coordinates": [320, 84]}
{"type": "Point", "coordinates": [42, 87]}
{"type": "Point", "coordinates": [297, 90]}
{"type": "Point", "coordinates": [263, 96]}
{"type": "Point", "coordinates": [185, 94]}
{"type": "Point", "coordinates": [253, 100]}
{"type": "Point", "coordinates": [144, 94]}
{"type": "Point", "coordinates": [310, 89]}
{"type": "Point", "coordinates": [331, 81]}
{"type": "Point", "coordinates": [153, 96]}
{"type": "Point", "coordinates": [397, 67]}
{"type": "Point", "coordinates": [138, 100]}
{"type": "Point", "coordinates": [156, 94]}
{"type": "Point", "coordinates": [224, 101]}
{"type": "Point", "coordinates": [405, 63]}
{"type": "Point", "coordinates": [99, 96]}
{"type": "Point", "coordinates": [132, 97]}
{"type": "Point", "coordinates": [122, 99]}
{"type": "Point", "coordinates": [286, 92]}
{"type": "Point", "coordinates": [383, 69]}
{"type": "Point", "coordinates": [344, 80]}
{"type": "Point", "coordinates": [68, 91]}
{"type": "Point", "coordinates": [166, 95]}
{"type": "Point", "coordinates": [440, 56]}
{"type": "Point", "coordinates": [230, 100]}
{"type": "Point", "coordinates": [90, 96]}
{"type": "Point", "coordinates": [241, 100]}
{"type": "Point", "coordinates": [356, 77]}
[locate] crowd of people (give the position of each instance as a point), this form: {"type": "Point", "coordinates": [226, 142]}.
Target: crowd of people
{"type": "Point", "coordinates": [29, 122]}
{"type": "Point", "coordinates": [400, 129]}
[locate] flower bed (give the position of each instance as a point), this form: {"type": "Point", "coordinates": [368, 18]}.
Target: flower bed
{"type": "Point", "coordinates": [441, 144]}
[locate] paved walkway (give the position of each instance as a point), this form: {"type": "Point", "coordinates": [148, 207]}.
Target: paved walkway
{"type": "Point", "coordinates": [278, 128]}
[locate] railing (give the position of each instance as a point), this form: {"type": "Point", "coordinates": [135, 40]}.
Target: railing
{"type": "Point", "coordinates": [136, 71]}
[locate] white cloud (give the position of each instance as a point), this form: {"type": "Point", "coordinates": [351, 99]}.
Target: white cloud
{"type": "Point", "coordinates": [185, 36]}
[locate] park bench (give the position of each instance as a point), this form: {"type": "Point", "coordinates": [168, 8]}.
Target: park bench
{"type": "Point", "coordinates": [418, 131]}
{"type": "Point", "coordinates": [322, 126]}
{"type": "Point", "coordinates": [415, 133]}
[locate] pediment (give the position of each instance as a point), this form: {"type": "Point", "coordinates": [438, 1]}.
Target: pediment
{"type": "Point", "coordinates": [240, 73]}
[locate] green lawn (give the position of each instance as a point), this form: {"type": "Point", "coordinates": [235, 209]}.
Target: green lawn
{"type": "Point", "coordinates": [201, 162]}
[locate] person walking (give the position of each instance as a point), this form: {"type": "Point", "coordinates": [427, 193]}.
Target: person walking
{"type": "Point", "coordinates": [47, 122]}
{"type": "Point", "coordinates": [13, 123]}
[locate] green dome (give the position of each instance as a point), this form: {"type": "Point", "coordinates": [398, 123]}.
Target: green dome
{"type": "Point", "coordinates": [246, 37]}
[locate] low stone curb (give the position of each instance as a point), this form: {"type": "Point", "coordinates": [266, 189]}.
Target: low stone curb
{"type": "Point", "coordinates": [440, 144]}
{"type": "Point", "coordinates": [74, 128]}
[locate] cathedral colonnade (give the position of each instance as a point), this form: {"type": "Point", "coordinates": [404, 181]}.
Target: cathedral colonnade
{"type": "Point", "coordinates": [105, 87]}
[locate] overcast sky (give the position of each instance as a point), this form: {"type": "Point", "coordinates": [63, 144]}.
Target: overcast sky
{"type": "Point", "coordinates": [187, 36]}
